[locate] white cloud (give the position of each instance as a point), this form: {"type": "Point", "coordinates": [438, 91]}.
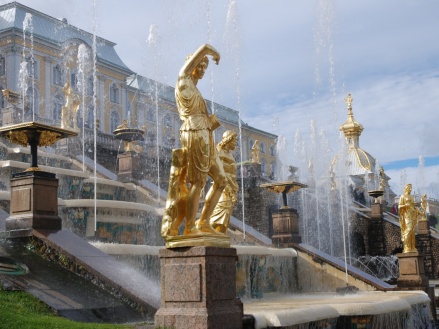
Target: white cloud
{"type": "Point", "coordinates": [424, 180]}
{"type": "Point", "coordinates": [383, 52]}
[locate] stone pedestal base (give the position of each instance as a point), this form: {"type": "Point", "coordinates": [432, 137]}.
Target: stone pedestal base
{"type": "Point", "coordinates": [411, 271]}
{"type": "Point", "coordinates": [198, 288]}
{"type": "Point", "coordinates": [423, 227]}
{"type": "Point", "coordinates": [128, 167]}
{"type": "Point", "coordinates": [34, 202]}
{"type": "Point", "coordinates": [376, 211]}
{"type": "Point", "coordinates": [286, 227]}
{"type": "Point", "coordinates": [412, 276]}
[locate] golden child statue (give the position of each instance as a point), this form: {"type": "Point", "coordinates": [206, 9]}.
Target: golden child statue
{"type": "Point", "coordinates": [408, 219]}
{"type": "Point", "coordinates": [198, 158]}
{"type": "Point", "coordinates": [221, 215]}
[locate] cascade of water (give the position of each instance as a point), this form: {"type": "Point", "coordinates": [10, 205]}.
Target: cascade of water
{"type": "Point", "coordinates": [232, 43]}
{"type": "Point", "coordinates": [83, 71]}
{"type": "Point", "coordinates": [29, 27]}
{"type": "Point", "coordinates": [152, 42]}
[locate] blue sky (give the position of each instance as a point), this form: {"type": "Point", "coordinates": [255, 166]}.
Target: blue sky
{"type": "Point", "coordinates": [285, 63]}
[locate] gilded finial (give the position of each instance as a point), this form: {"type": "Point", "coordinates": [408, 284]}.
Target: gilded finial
{"type": "Point", "coordinates": [348, 100]}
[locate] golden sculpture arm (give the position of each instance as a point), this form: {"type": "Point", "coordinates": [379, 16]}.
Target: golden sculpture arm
{"type": "Point", "coordinates": [197, 57]}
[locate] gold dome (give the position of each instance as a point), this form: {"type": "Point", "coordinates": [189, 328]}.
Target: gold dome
{"type": "Point", "coordinates": [351, 128]}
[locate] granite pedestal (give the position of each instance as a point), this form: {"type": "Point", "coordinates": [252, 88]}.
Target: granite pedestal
{"type": "Point", "coordinates": [34, 202]}
{"type": "Point", "coordinates": [198, 289]}
{"type": "Point", "coordinates": [412, 276]}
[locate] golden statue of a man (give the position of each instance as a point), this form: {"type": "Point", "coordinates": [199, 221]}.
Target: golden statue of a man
{"type": "Point", "coordinates": [197, 140]}
{"type": "Point", "coordinates": [70, 108]}
{"type": "Point", "coordinates": [221, 215]}
{"type": "Point", "coordinates": [408, 219]}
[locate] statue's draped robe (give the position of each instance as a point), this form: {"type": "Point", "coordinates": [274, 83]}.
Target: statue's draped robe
{"type": "Point", "coordinates": [195, 134]}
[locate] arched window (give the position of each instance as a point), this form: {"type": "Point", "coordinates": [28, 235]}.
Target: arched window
{"type": "Point", "coordinates": [57, 108]}
{"type": "Point", "coordinates": [150, 115]}
{"type": "Point", "coordinates": [32, 67]}
{"type": "Point", "coordinates": [32, 105]}
{"type": "Point", "coordinates": [150, 137]}
{"type": "Point", "coordinates": [262, 146]}
{"type": "Point", "coordinates": [74, 81]}
{"type": "Point", "coordinates": [167, 140]}
{"type": "Point", "coordinates": [2, 65]}
{"type": "Point", "coordinates": [250, 144]}
{"type": "Point", "coordinates": [57, 75]}
{"type": "Point", "coordinates": [167, 120]}
{"type": "Point", "coordinates": [90, 117]}
{"type": "Point", "coordinates": [114, 93]}
{"type": "Point", "coordinates": [263, 166]}
{"type": "Point", "coordinates": [114, 120]}
{"type": "Point", "coordinates": [2, 98]}
{"type": "Point", "coordinates": [272, 150]}
{"type": "Point", "coordinates": [273, 170]}
{"type": "Point", "coordinates": [90, 86]}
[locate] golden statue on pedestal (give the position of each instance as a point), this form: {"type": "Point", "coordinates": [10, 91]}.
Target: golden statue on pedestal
{"type": "Point", "coordinates": [70, 109]}
{"type": "Point", "coordinates": [408, 218]}
{"type": "Point", "coordinates": [221, 215]}
{"type": "Point", "coordinates": [194, 162]}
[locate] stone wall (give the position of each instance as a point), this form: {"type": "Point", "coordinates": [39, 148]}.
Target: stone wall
{"type": "Point", "coordinates": [366, 235]}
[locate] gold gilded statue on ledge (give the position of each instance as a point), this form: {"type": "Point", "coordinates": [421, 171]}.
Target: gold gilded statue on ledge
{"type": "Point", "coordinates": [197, 159]}
{"type": "Point", "coordinates": [408, 219]}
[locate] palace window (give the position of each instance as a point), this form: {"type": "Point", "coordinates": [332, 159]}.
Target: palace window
{"type": "Point", "coordinates": [57, 108]}
{"type": "Point", "coordinates": [272, 150]}
{"type": "Point", "coordinates": [150, 137]}
{"type": "Point", "coordinates": [32, 67]}
{"type": "Point", "coordinates": [90, 117]}
{"type": "Point", "coordinates": [57, 75]}
{"type": "Point", "coordinates": [2, 98]}
{"type": "Point", "coordinates": [262, 146]}
{"type": "Point", "coordinates": [2, 65]}
{"type": "Point", "coordinates": [90, 86]}
{"type": "Point", "coordinates": [263, 166]}
{"type": "Point", "coordinates": [150, 115]}
{"type": "Point", "coordinates": [74, 81]}
{"type": "Point", "coordinates": [32, 105]}
{"type": "Point", "coordinates": [167, 120]}
{"type": "Point", "coordinates": [114, 94]}
{"type": "Point", "coordinates": [114, 120]}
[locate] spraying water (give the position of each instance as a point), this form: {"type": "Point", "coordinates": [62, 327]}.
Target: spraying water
{"type": "Point", "coordinates": [83, 60]}
{"type": "Point", "coordinates": [152, 43]}
{"type": "Point", "coordinates": [231, 38]}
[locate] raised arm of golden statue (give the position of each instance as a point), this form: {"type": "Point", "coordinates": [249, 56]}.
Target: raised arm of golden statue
{"type": "Point", "coordinates": [198, 159]}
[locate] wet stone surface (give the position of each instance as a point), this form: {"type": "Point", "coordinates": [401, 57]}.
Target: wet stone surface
{"type": "Point", "coordinates": [70, 295]}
